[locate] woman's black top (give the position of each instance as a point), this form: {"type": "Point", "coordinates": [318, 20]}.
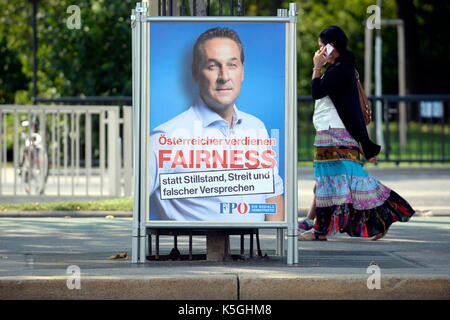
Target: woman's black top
{"type": "Point", "coordinates": [339, 83]}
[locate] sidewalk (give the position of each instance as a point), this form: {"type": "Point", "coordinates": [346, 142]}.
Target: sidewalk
{"type": "Point", "coordinates": [426, 188]}
{"type": "Point", "coordinates": [413, 259]}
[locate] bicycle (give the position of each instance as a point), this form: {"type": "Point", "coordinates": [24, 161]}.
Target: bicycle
{"type": "Point", "coordinates": [33, 167]}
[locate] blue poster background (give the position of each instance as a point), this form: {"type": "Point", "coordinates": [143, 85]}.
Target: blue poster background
{"type": "Point", "coordinates": [262, 93]}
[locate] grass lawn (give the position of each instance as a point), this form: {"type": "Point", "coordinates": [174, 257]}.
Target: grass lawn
{"type": "Point", "coordinates": [122, 204]}
{"type": "Point", "coordinates": [424, 142]}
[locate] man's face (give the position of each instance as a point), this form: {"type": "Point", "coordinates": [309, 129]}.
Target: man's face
{"type": "Point", "coordinates": [220, 73]}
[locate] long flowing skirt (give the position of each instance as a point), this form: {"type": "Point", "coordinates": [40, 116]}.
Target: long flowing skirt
{"type": "Point", "coordinates": [348, 198]}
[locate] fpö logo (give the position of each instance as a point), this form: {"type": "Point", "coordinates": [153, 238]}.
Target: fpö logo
{"type": "Point", "coordinates": [233, 207]}
{"type": "Point", "coordinates": [244, 208]}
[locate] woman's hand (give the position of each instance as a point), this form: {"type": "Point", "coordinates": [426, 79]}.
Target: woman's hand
{"type": "Point", "coordinates": [319, 60]}
{"type": "Point", "coordinates": [373, 160]}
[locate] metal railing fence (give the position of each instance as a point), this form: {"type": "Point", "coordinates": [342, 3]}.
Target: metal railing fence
{"type": "Point", "coordinates": [200, 7]}
{"type": "Point", "coordinates": [88, 149]}
{"type": "Point", "coordinates": [424, 137]}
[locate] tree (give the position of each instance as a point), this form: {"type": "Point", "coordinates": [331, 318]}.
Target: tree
{"type": "Point", "coordinates": [426, 45]}
{"type": "Point", "coordinates": [96, 58]}
{"type": "Point", "coordinates": [406, 12]}
{"type": "Point", "coordinates": [11, 77]}
{"type": "Point", "coordinates": [92, 60]}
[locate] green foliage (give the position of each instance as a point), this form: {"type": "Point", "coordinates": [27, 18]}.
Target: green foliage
{"type": "Point", "coordinates": [433, 23]}
{"type": "Point", "coordinates": [11, 77]}
{"type": "Point", "coordinates": [123, 204]}
{"type": "Point", "coordinates": [96, 59]}
{"type": "Point", "coordinates": [92, 60]}
{"type": "Point", "coordinates": [315, 15]}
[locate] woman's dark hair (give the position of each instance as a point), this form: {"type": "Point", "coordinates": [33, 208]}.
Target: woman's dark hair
{"type": "Point", "coordinates": [336, 36]}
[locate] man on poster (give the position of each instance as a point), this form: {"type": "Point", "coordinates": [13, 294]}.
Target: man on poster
{"type": "Point", "coordinates": [214, 162]}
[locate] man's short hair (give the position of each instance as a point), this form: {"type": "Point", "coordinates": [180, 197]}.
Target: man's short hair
{"type": "Point", "coordinates": [211, 34]}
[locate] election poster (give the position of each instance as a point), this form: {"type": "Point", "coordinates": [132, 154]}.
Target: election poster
{"type": "Point", "coordinates": [217, 121]}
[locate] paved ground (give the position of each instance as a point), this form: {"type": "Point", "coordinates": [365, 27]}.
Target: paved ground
{"type": "Point", "coordinates": [413, 259]}
{"type": "Point", "coordinates": [424, 187]}
{"type": "Point", "coordinates": [36, 252]}
{"type": "Point", "coordinates": [58, 185]}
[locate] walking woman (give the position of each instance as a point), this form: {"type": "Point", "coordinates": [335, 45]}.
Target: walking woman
{"type": "Point", "coordinates": [347, 199]}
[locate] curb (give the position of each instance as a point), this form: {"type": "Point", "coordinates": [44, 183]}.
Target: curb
{"type": "Point", "coordinates": [226, 287]}
{"type": "Point", "coordinates": [345, 288]}
{"type": "Point", "coordinates": [154, 288]}
{"type": "Point", "coordinates": [66, 214]}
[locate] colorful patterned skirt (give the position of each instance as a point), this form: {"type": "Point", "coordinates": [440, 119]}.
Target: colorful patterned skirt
{"type": "Point", "coordinates": [348, 199]}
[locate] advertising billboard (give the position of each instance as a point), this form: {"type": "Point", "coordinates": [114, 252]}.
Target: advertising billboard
{"type": "Point", "coordinates": [216, 120]}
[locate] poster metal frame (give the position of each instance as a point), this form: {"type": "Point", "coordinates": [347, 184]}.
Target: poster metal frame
{"type": "Point", "coordinates": [141, 24]}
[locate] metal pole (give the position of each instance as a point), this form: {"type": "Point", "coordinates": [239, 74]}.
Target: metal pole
{"type": "Point", "coordinates": [378, 86]}
{"type": "Point", "coordinates": [282, 12]}
{"type": "Point", "coordinates": [402, 85]}
{"type": "Point", "coordinates": [183, 8]}
{"type": "Point", "coordinates": [88, 150]}
{"type": "Point", "coordinates": [242, 8]}
{"type": "Point", "coordinates": [16, 159]}
{"type": "Point", "coordinates": [135, 26]}
{"type": "Point", "coordinates": [280, 242]}
{"type": "Point", "coordinates": [52, 143]}
{"type": "Point", "coordinates": [175, 7]}
{"type": "Point", "coordinates": [66, 146]}
{"type": "Point", "coordinates": [77, 147]}
{"type": "Point", "coordinates": [368, 47]}
{"type": "Point", "coordinates": [35, 42]}
{"type": "Point", "coordinates": [2, 133]}
{"type": "Point", "coordinates": [113, 165]}
{"type": "Point", "coordinates": [102, 150]}
{"type": "Point", "coordinates": [280, 232]}
{"type": "Point", "coordinates": [58, 151]}
{"type": "Point", "coordinates": [128, 150]}
{"type": "Point", "coordinates": [43, 133]}
{"type": "Point", "coordinates": [291, 178]}
{"type": "Point", "coordinates": [198, 8]}
{"type": "Point", "coordinates": [72, 150]}
{"type": "Point", "coordinates": [154, 7]}
{"type": "Point", "coordinates": [144, 125]}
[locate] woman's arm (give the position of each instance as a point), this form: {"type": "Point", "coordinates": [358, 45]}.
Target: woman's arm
{"type": "Point", "coordinates": [316, 73]}
{"type": "Point", "coordinates": [322, 86]}
{"type": "Point", "coordinates": [329, 83]}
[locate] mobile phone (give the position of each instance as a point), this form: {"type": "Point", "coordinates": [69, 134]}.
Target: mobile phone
{"type": "Point", "coordinates": [328, 50]}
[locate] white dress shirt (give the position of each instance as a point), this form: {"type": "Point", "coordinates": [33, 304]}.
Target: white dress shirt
{"type": "Point", "coordinates": [325, 115]}
{"type": "Point", "coordinates": [201, 121]}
